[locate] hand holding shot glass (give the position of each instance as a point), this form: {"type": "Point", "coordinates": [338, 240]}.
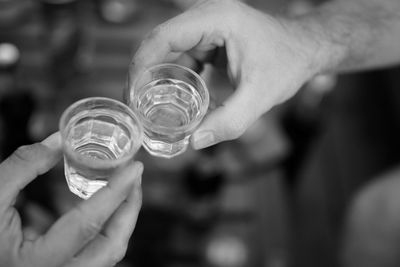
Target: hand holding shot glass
{"type": "Point", "coordinates": [100, 136]}
{"type": "Point", "coordinates": [170, 101]}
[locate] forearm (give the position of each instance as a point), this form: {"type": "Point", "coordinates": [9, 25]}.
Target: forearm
{"type": "Point", "coordinates": [354, 34]}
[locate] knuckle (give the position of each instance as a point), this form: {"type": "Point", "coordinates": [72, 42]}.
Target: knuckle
{"type": "Point", "coordinates": [89, 227]}
{"type": "Point", "coordinates": [27, 153]}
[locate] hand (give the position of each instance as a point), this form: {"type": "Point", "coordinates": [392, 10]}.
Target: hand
{"type": "Point", "coordinates": [268, 59]}
{"type": "Point", "coordinates": [95, 233]}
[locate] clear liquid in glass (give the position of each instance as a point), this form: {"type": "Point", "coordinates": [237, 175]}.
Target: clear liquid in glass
{"type": "Point", "coordinates": [171, 104]}
{"type": "Point", "coordinates": [100, 136]}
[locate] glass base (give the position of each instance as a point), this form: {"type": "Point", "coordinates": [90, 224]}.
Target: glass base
{"type": "Point", "coordinates": [165, 150]}
{"type": "Point", "coordinates": [81, 186]}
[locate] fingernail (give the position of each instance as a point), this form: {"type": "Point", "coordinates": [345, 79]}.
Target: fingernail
{"type": "Point", "coordinates": [203, 139]}
{"type": "Point", "coordinates": [53, 141]}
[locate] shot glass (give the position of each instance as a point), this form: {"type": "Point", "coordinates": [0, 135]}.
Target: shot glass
{"type": "Point", "coordinates": [170, 101]}
{"type": "Point", "coordinates": [100, 136]}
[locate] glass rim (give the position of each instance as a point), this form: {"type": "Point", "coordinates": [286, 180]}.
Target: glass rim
{"type": "Point", "coordinates": [187, 127]}
{"type": "Point", "coordinates": [100, 163]}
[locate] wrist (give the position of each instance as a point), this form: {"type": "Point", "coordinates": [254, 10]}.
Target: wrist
{"type": "Point", "coordinates": [352, 35]}
{"type": "Point", "coordinates": [323, 53]}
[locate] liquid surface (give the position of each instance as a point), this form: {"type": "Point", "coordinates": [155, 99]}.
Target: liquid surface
{"type": "Point", "coordinates": [169, 103]}
{"type": "Point", "coordinates": [100, 136]}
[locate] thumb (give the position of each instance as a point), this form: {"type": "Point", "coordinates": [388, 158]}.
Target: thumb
{"type": "Point", "coordinates": [230, 120]}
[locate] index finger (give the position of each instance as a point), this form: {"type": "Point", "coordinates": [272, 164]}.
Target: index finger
{"type": "Point", "coordinates": [180, 34]}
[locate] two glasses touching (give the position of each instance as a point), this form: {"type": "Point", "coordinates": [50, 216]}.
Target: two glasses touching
{"type": "Point", "coordinates": [101, 135]}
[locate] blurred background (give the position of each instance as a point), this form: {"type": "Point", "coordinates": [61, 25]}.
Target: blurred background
{"type": "Point", "coordinates": [276, 197]}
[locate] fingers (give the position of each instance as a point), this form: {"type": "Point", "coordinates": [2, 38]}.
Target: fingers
{"type": "Point", "coordinates": [195, 59]}
{"type": "Point", "coordinates": [178, 35]}
{"type": "Point", "coordinates": [109, 248]}
{"type": "Point", "coordinates": [121, 225]}
{"type": "Point", "coordinates": [25, 164]}
{"type": "Point", "coordinates": [230, 120]}
{"type": "Point", "coordinates": [75, 229]}
{"type": "Point", "coordinates": [189, 62]}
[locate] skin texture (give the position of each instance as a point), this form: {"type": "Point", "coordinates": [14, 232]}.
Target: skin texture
{"type": "Point", "coordinates": [269, 58]}
{"type": "Point", "coordinates": [95, 233]}
{"type": "Point", "coordinates": [355, 35]}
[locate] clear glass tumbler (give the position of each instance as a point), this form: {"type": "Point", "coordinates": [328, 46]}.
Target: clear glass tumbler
{"type": "Point", "coordinates": [170, 101]}
{"type": "Point", "coordinates": [100, 135]}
